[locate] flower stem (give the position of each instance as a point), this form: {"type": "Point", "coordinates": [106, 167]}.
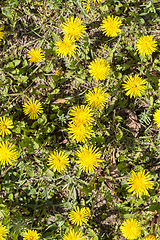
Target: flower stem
{"type": "Point", "coordinates": [13, 165]}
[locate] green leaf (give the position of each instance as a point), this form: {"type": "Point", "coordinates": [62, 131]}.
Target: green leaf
{"type": "Point", "coordinates": [10, 197]}
{"type": "Point", "coordinates": [35, 145]}
{"type": "Point", "coordinates": [7, 12]}
{"type": "Point", "coordinates": [151, 101]}
{"type": "Point", "coordinates": [31, 173]}
{"type": "Point", "coordinates": [53, 84]}
{"type": "Point", "coordinates": [119, 134]}
{"type": "Point", "coordinates": [42, 119]}
{"type": "Point", "coordinates": [154, 206]}
{"type": "Point", "coordinates": [25, 63]}
{"type": "Point", "coordinates": [24, 79]}
{"type": "Point", "coordinates": [56, 91]}
{"type": "Point", "coordinates": [42, 86]}
{"type": "Point", "coordinates": [128, 216]}
{"type": "Point", "coordinates": [16, 62]}
{"type": "Point", "coordinates": [118, 119]}
{"type": "Point", "coordinates": [62, 19]}
{"type": "Point", "coordinates": [80, 80]}
{"type": "Point", "coordinates": [9, 65]}
{"type": "Point", "coordinates": [48, 67]}
{"type": "Point", "coordinates": [93, 234]}
{"type": "Point", "coordinates": [49, 173]}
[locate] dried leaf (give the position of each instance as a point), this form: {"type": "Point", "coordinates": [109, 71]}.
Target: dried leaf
{"type": "Point", "coordinates": [60, 101]}
{"type": "Point", "coordinates": [132, 123]}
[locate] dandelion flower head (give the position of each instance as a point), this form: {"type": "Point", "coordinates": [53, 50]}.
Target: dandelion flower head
{"type": "Point", "coordinates": [65, 47]}
{"type": "Point", "coordinates": [110, 26]}
{"type": "Point", "coordinates": [8, 153]}
{"type": "Point", "coordinates": [3, 232]}
{"type": "Point", "coordinates": [99, 69]}
{"type": "Point", "coordinates": [146, 45]}
{"type": "Point", "coordinates": [35, 55]}
{"type": "Point", "coordinates": [81, 115]}
{"type": "Point", "coordinates": [156, 117]}
{"type": "Point", "coordinates": [97, 98]}
{"type": "Point", "coordinates": [139, 183]}
{"type": "Point", "coordinates": [31, 235]}
{"type": "Point", "coordinates": [58, 71]}
{"type": "Point", "coordinates": [1, 33]}
{"type": "Point", "coordinates": [5, 125]}
{"type": "Point", "coordinates": [88, 211]}
{"type": "Point", "coordinates": [86, 6]}
{"type": "Point", "coordinates": [33, 108]}
{"type": "Point", "coordinates": [150, 237]}
{"type": "Point", "coordinates": [73, 28]}
{"type": "Point", "coordinates": [74, 235]}
{"type": "Point", "coordinates": [134, 86]}
{"type": "Point", "coordinates": [58, 161]}
{"type": "Point", "coordinates": [79, 132]}
{"type": "Point", "coordinates": [159, 83]}
{"type": "Point", "coordinates": [130, 229]}
{"type": "Point", "coordinates": [78, 216]}
{"type": "Point", "coordinates": [88, 158]}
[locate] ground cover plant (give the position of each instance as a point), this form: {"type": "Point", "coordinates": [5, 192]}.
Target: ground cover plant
{"type": "Point", "coordinates": [80, 119]}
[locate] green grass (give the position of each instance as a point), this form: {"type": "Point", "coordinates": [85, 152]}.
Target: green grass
{"type": "Point", "coordinates": [32, 196]}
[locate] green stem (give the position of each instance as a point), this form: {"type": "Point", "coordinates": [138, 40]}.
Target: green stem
{"type": "Point", "coordinates": [13, 165]}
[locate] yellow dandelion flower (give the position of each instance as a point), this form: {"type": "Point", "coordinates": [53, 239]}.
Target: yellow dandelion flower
{"type": "Point", "coordinates": [78, 216]}
{"type": "Point", "coordinates": [80, 132]}
{"type": "Point", "coordinates": [140, 183]}
{"type": "Point", "coordinates": [72, 235]}
{"type": "Point", "coordinates": [31, 235]}
{"type": "Point", "coordinates": [97, 98]}
{"type": "Point", "coordinates": [81, 115]}
{"type": "Point", "coordinates": [3, 232]}
{"type": "Point", "coordinates": [88, 158]}
{"type": "Point", "coordinates": [130, 229]}
{"type": "Point", "coordinates": [5, 125]}
{"type": "Point", "coordinates": [150, 237]}
{"type": "Point", "coordinates": [65, 47]}
{"type": "Point", "coordinates": [32, 108]}
{"type": "Point", "coordinates": [146, 45]}
{"type": "Point", "coordinates": [97, 1]}
{"type": "Point", "coordinates": [110, 26]}
{"type": "Point", "coordinates": [88, 211]}
{"type": "Point", "coordinates": [86, 6]}
{"type": "Point", "coordinates": [73, 28]}
{"type": "Point", "coordinates": [134, 86]}
{"type": "Point", "coordinates": [8, 153]}
{"type": "Point", "coordinates": [159, 83]}
{"type": "Point", "coordinates": [58, 161]}
{"type": "Point", "coordinates": [1, 33]}
{"type": "Point", "coordinates": [156, 117]}
{"type": "Point", "coordinates": [99, 69]}
{"type": "Point", "coordinates": [35, 55]}
{"type": "Point", "coordinates": [58, 71]}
